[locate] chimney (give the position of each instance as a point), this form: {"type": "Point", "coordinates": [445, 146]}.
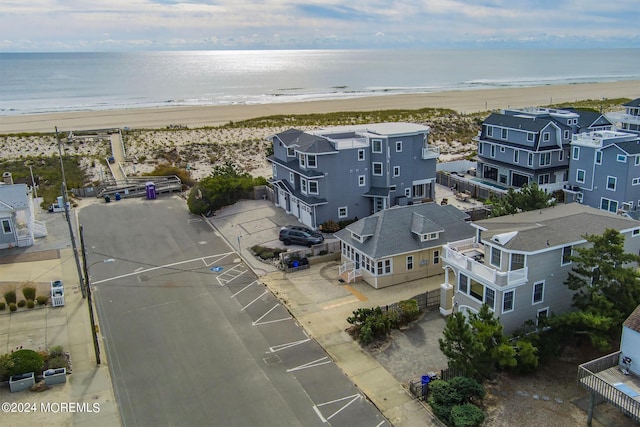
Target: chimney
{"type": "Point", "coordinates": [7, 178]}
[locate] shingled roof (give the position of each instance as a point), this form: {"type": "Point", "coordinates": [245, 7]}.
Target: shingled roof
{"type": "Point", "coordinates": [633, 321]}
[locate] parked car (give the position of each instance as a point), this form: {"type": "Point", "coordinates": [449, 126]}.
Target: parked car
{"type": "Point", "coordinates": [298, 237]}
{"type": "Point", "coordinates": [305, 229]}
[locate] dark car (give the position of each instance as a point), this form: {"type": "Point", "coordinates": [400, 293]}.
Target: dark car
{"type": "Point", "coordinates": [299, 237]}
{"type": "Point", "coordinates": [305, 229]}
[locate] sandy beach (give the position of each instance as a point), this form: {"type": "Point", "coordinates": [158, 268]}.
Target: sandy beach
{"type": "Point", "coordinates": [461, 101]}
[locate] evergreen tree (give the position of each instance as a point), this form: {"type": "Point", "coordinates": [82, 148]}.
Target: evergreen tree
{"type": "Point", "coordinates": [527, 198]}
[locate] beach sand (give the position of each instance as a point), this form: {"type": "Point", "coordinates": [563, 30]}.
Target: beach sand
{"type": "Point", "coordinates": [200, 144]}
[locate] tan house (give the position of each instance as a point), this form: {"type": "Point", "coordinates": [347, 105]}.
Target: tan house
{"type": "Point", "coordinates": [400, 244]}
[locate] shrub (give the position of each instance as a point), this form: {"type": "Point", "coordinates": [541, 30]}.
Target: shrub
{"type": "Point", "coordinates": [467, 415]}
{"type": "Point", "coordinates": [3, 305]}
{"type": "Point", "coordinates": [409, 310]}
{"type": "Point", "coordinates": [29, 292]}
{"type": "Point", "coordinates": [6, 364]}
{"type": "Point", "coordinates": [10, 296]}
{"type": "Point", "coordinates": [26, 361]}
{"type": "Point", "coordinates": [266, 255]}
{"type": "Point", "coordinates": [57, 362]}
{"type": "Point", "coordinates": [451, 401]}
{"type": "Point", "coordinates": [56, 351]}
{"type": "Point", "coordinates": [42, 300]}
{"type": "Point", "coordinates": [330, 226]}
{"type": "Point", "coordinates": [30, 303]}
{"type": "Point", "coordinates": [370, 324]}
{"type": "Point", "coordinates": [22, 303]}
{"type": "Point", "coordinates": [13, 306]}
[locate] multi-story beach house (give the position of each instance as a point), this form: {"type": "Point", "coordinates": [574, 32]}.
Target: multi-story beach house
{"type": "Point", "coordinates": [517, 264]}
{"type": "Point", "coordinates": [520, 147]}
{"type": "Point", "coordinates": [19, 228]}
{"type": "Point", "coordinates": [400, 244]}
{"type": "Point", "coordinates": [604, 170]}
{"type": "Point", "coordinates": [629, 121]}
{"type": "Point", "coordinates": [351, 172]}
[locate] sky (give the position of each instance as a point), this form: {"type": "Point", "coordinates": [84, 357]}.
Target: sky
{"type": "Point", "coordinates": [129, 25]}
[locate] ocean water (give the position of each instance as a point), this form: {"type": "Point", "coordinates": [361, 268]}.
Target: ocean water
{"type": "Point", "coordinates": [52, 82]}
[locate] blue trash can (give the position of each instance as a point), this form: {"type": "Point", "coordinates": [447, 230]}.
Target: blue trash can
{"type": "Point", "coordinates": [118, 196]}
{"type": "Point", "coordinates": [426, 379]}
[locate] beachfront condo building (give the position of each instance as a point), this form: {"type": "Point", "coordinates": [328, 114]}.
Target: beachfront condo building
{"type": "Point", "coordinates": [517, 264]}
{"type": "Point", "coordinates": [604, 170]}
{"type": "Point", "coordinates": [629, 121]}
{"type": "Point", "coordinates": [522, 147]}
{"type": "Point", "coordinates": [351, 172]}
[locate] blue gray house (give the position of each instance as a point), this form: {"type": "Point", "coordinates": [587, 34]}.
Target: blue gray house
{"type": "Point", "coordinates": [521, 147]}
{"type": "Point", "coordinates": [351, 172]}
{"type": "Point", "coordinates": [604, 170]}
{"type": "Point", "coordinates": [629, 121]}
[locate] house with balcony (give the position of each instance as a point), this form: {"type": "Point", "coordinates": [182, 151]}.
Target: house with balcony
{"type": "Point", "coordinates": [517, 264]}
{"type": "Point", "coordinates": [520, 147]}
{"type": "Point", "coordinates": [615, 378]}
{"type": "Point", "coordinates": [629, 121]}
{"type": "Point", "coordinates": [17, 217]}
{"type": "Point", "coordinates": [590, 121]}
{"type": "Point", "coordinates": [351, 172]}
{"type": "Point", "coordinates": [604, 170]}
{"type": "Point", "coordinates": [400, 244]}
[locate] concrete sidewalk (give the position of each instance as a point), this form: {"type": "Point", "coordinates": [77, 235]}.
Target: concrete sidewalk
{"type": "Point", "coordinates": [321, 304]}
{"type": "Point", "coordinates": [88, 386]}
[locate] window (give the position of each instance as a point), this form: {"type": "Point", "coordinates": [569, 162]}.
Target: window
{"type": "Point", "coordinates": [546, 136]}
{"type": "Point", "coordinates": [545, 159]}
{"type": "Point", "coordinates": [507, 301]}
{"type": "Point", "coordinates": [311, 160]}
{"type": "Point", "coordinates": [493, 150]}
{"type": "Point", "coordinates": [495, 257]}
{"type": "Point", "coordinates": [376, 146]}
{"type": "Point", "coordinates": [541, 318]}
{"type": "Point", "coordinates": [543, 179]}
{"type": "Point", "coordinates": [566, 255]}
{"type": "Point", "coordinates": [362, 180]}
{"type": "Point", "coordinates": [476, 290]}
{"type": "Point", "coordinates": [343, 212]}
{"type": "Point", "coordinates": [398, 146]}
{"type": "Point", "coordinates": [636, 232]}
{"type": "Point", "coordinates": [392, 188]}
{"type": "Point", "coordinates": [396, 171]}
{"type": "Point", "coordinates": [621, 158]}
{"type": "Point", "coordinates": [576, 153]}
{"type": "Point", "coordinates": [598, 157]}
{"type": "Point", "coordinates": [463, 284]}
{"type": "Point", "coordinates": [490, 297]}
{"type": "Point", "coordinates": [530, 159]}
{"type": "Point", "coordinates": [505, 134]}
{"type": "Point", "coordinates": [6, 226]}
{"type": "Point", "coordinates": [502, 178]}
{"type": "Point", "coordinates": [560, 155]}
{"type": "Point", "coordinates": [517, 261]}
{"type": "Point", "coordinates": [530, 136]}
{"type": "Point", "coordinates": [566, 134]}
{"type": "Point", "coordinates": [436, 256]}
{"type": "Point", "coordinates": [407, 192]}
{"type": "Point", "coordinates": [291, 152]}
{"type": "Point", "coordinates": [538, 293]}
{"type": "Point", "coordinates": [580, 176]}
{"type": "Point", "coordinates": [377, 168]}
{"type": "Point", "coordinates": [480, 145]}
{"type": "Point", "coordinates": [291, 178]}
{"type": "Point", "coordinates": [489, 130]}
{"type": "Point", "coordinates": [611, 183]}
{"type": "Point", "coordinates": [502, 149]}
{"type": "Point", "coordinates": [609, 205]}
{"type": "Point", "coordinates": [361, 155]}
{"type": "Point", "coordinates": [637, 161]}
{"type": "Point", "coordinates": [384, 267]}
{"type": "Point", "coordinates": [302, 160]}
{"type": "Point", "coordinates": [303, 186]}
{"type": "Point", "coordinates": [635, 181]}
{"type": "Point", "coordinates": [516, 156]}
{"type": "Point", "coordinates": [410, 262]}
{"type": "Point", "coordinates": [313, 187]}
{"type": "Point", "coordinates": [274, 170]}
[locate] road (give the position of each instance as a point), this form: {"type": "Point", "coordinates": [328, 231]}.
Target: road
{"type": "Point", "coordinates": [193, 338]}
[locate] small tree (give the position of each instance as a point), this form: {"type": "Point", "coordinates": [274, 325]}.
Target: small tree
{"type": "Point", "coordinates": [527, 198]}
{"type": "Point", "coordinates": [451, 401]}
{"type": "Point", "coordinates": [460, 345]}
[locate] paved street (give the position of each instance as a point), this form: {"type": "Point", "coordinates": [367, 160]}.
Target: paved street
{"type": "Point", "coordinates": [193, 338]}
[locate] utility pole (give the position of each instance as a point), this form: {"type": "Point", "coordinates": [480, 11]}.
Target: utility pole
{"type": "Point", "coordinates": [87, 280]}
{"type": "Point", "coordinates": [66, 213]}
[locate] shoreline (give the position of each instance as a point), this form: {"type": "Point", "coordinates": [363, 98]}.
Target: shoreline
{"type": "Point", "coordinates": [463, 101]}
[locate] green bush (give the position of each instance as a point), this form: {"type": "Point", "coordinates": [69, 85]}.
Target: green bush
{"type": "Point", "coordinates": [3, 305]}
{"type": "Point", "coordinates": [57, 362]}
{"type": "Point", "coordinates": [467, 415]}
{"type": "Point", "coordinates": [13, 306]}
{"type": "Point", "coordinates": [56, 351]}
{"type": "Point", "coordinates": [409, 310]}
{"type": "Point", "coordinates": [10, 297]}
{"type": "Point", "coordinates": [6, 364]}
{"type": "Point", "coordinates": [266, 255]}
{"type": "Point", "coordinates": [42, 300]}
{"type": "Point", "coordinates": [30, 303]}
{"type": "Point", "coordinates": [370, 324]}
{"type": "Point", "coordinates": [330, 226]}
{"type": "Point", "coordinates": [451, 401]}
{"type": "Point", "coordinates": [26, 361]}
{"type": "Point", "coordinates": [29, 293]}
{"type": "Point", "coordinates": [22, 303]}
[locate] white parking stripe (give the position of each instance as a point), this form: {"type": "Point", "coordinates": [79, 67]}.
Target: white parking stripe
{"type": "Point", "coordinates": [258, 321]}
{"type": "Point", "coordinates": [287, 345]}
{"type": "Point", "coordinates": [353, 398]}
{"type": "Point", "coordinates": [257, 298]}
{"type": "Point", "coordinates": [250, 284]}
{"type": "Point", "coordinates": [319, 362]}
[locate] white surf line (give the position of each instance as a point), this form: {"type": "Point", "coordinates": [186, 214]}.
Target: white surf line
{"type": "Point", "coordinates": [319, 362]}
{"type": "Point", "coordinates": [324, 420]}
{"type": "Point", "coordinates": [279, 347]}
{"type": "Point", "coordinates": [216, 258]}
{"type": "Point", "coordinates": [257, 298]}
{"type": "Point", "coordinates": [250, 284]}
{"type": "Point", "coordinates": [257, 321]}
{"type": "Point", "coordinates": [138, 271]}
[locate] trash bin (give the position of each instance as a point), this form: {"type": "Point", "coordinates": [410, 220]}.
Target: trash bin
{"type": "Point", "coordinates": [426, 379]}
{"type": "Point", "coordinates": [107, 199]}
{"type": "Point", "coordinates": [118, 196]}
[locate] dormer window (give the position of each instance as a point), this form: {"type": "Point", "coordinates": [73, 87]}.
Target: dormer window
{"type": "Point", "coordinates": [311, 160]}
{"type": "Point", "coordinates": [357, 237]}
{"type": "Point", "coordinates": [291, 152]}
{"type": "Point", "coordinates": [429, 236]}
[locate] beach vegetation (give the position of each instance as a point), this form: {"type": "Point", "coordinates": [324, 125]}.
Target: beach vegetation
{"type": "Point", "coordinates": [10, 296]}
{"type": "Point", "coordinates": [164, 169]}
{"type": "Point", "coordinates": [41, 299]}
{"type": "Point", "coordinates": [29, 292]}
{"type": "Point", "coordinates": [13, 306]}
{"type": "Point", "coordinates": [527, 198]}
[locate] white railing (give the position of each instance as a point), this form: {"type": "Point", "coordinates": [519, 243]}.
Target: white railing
{"type": "Point", "coordinates": [353, 274]}
{"type": "Point", "coordinates": [430, 152]}
{"type": "Point", "coordinates": [478, 269]}
{"type": "Point", "coordinates": [39, 229]}
{"type": "Point", "coordinates": [345, 267]}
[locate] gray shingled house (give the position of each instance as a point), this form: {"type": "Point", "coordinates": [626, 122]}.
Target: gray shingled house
{"type": "Point", "coordinates": [517, 264]}
{"type": "Point", "coordinates": [401, 244]}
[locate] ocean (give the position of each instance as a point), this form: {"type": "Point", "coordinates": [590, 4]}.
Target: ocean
{"type": "Point", "coordinates": [55, 82]}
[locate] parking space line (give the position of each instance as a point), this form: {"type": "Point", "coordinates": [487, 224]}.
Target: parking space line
{"type": "Point", "coordinates": [250, 284]}
{"type": "Point", "coordinates": [353, 398]}
{"type": "Point", "coordinates": [319, 362]}
{"type": "Point", "coordinates": [258, 321]}
{"type": "Point", "coordinates": [223, 281]}
{"type": "Point", "coordinates": [287, 345]}
{"type": "Point", "coordinates": [216, 258]}
{"type": "Point", "coordinates": [257, 298]}
{"type": "Point", "coordinates": [380, 423]}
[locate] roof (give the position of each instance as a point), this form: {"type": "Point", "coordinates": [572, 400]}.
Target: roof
{"type": "Point", "coordinates": [14, 197]}
{"type": "Point", "coordinates": [633, 321]}
{"type": "Point", "coordinates": [559, 225]}
{"type": "Point", "coordinates": [630, 147]}
{"type": "Point", "coordinates": [633, 103]}
{"type": "Point", "coordinates": [391, 233]}
{"type": "Point", "coordinates": [305, 142]}
{"type": "Point", "coordinates": [380, 129]}
{"type": "Point", "coordinates": [588, 118]}
{"type": "Point", "coordinates": [526, 123]}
